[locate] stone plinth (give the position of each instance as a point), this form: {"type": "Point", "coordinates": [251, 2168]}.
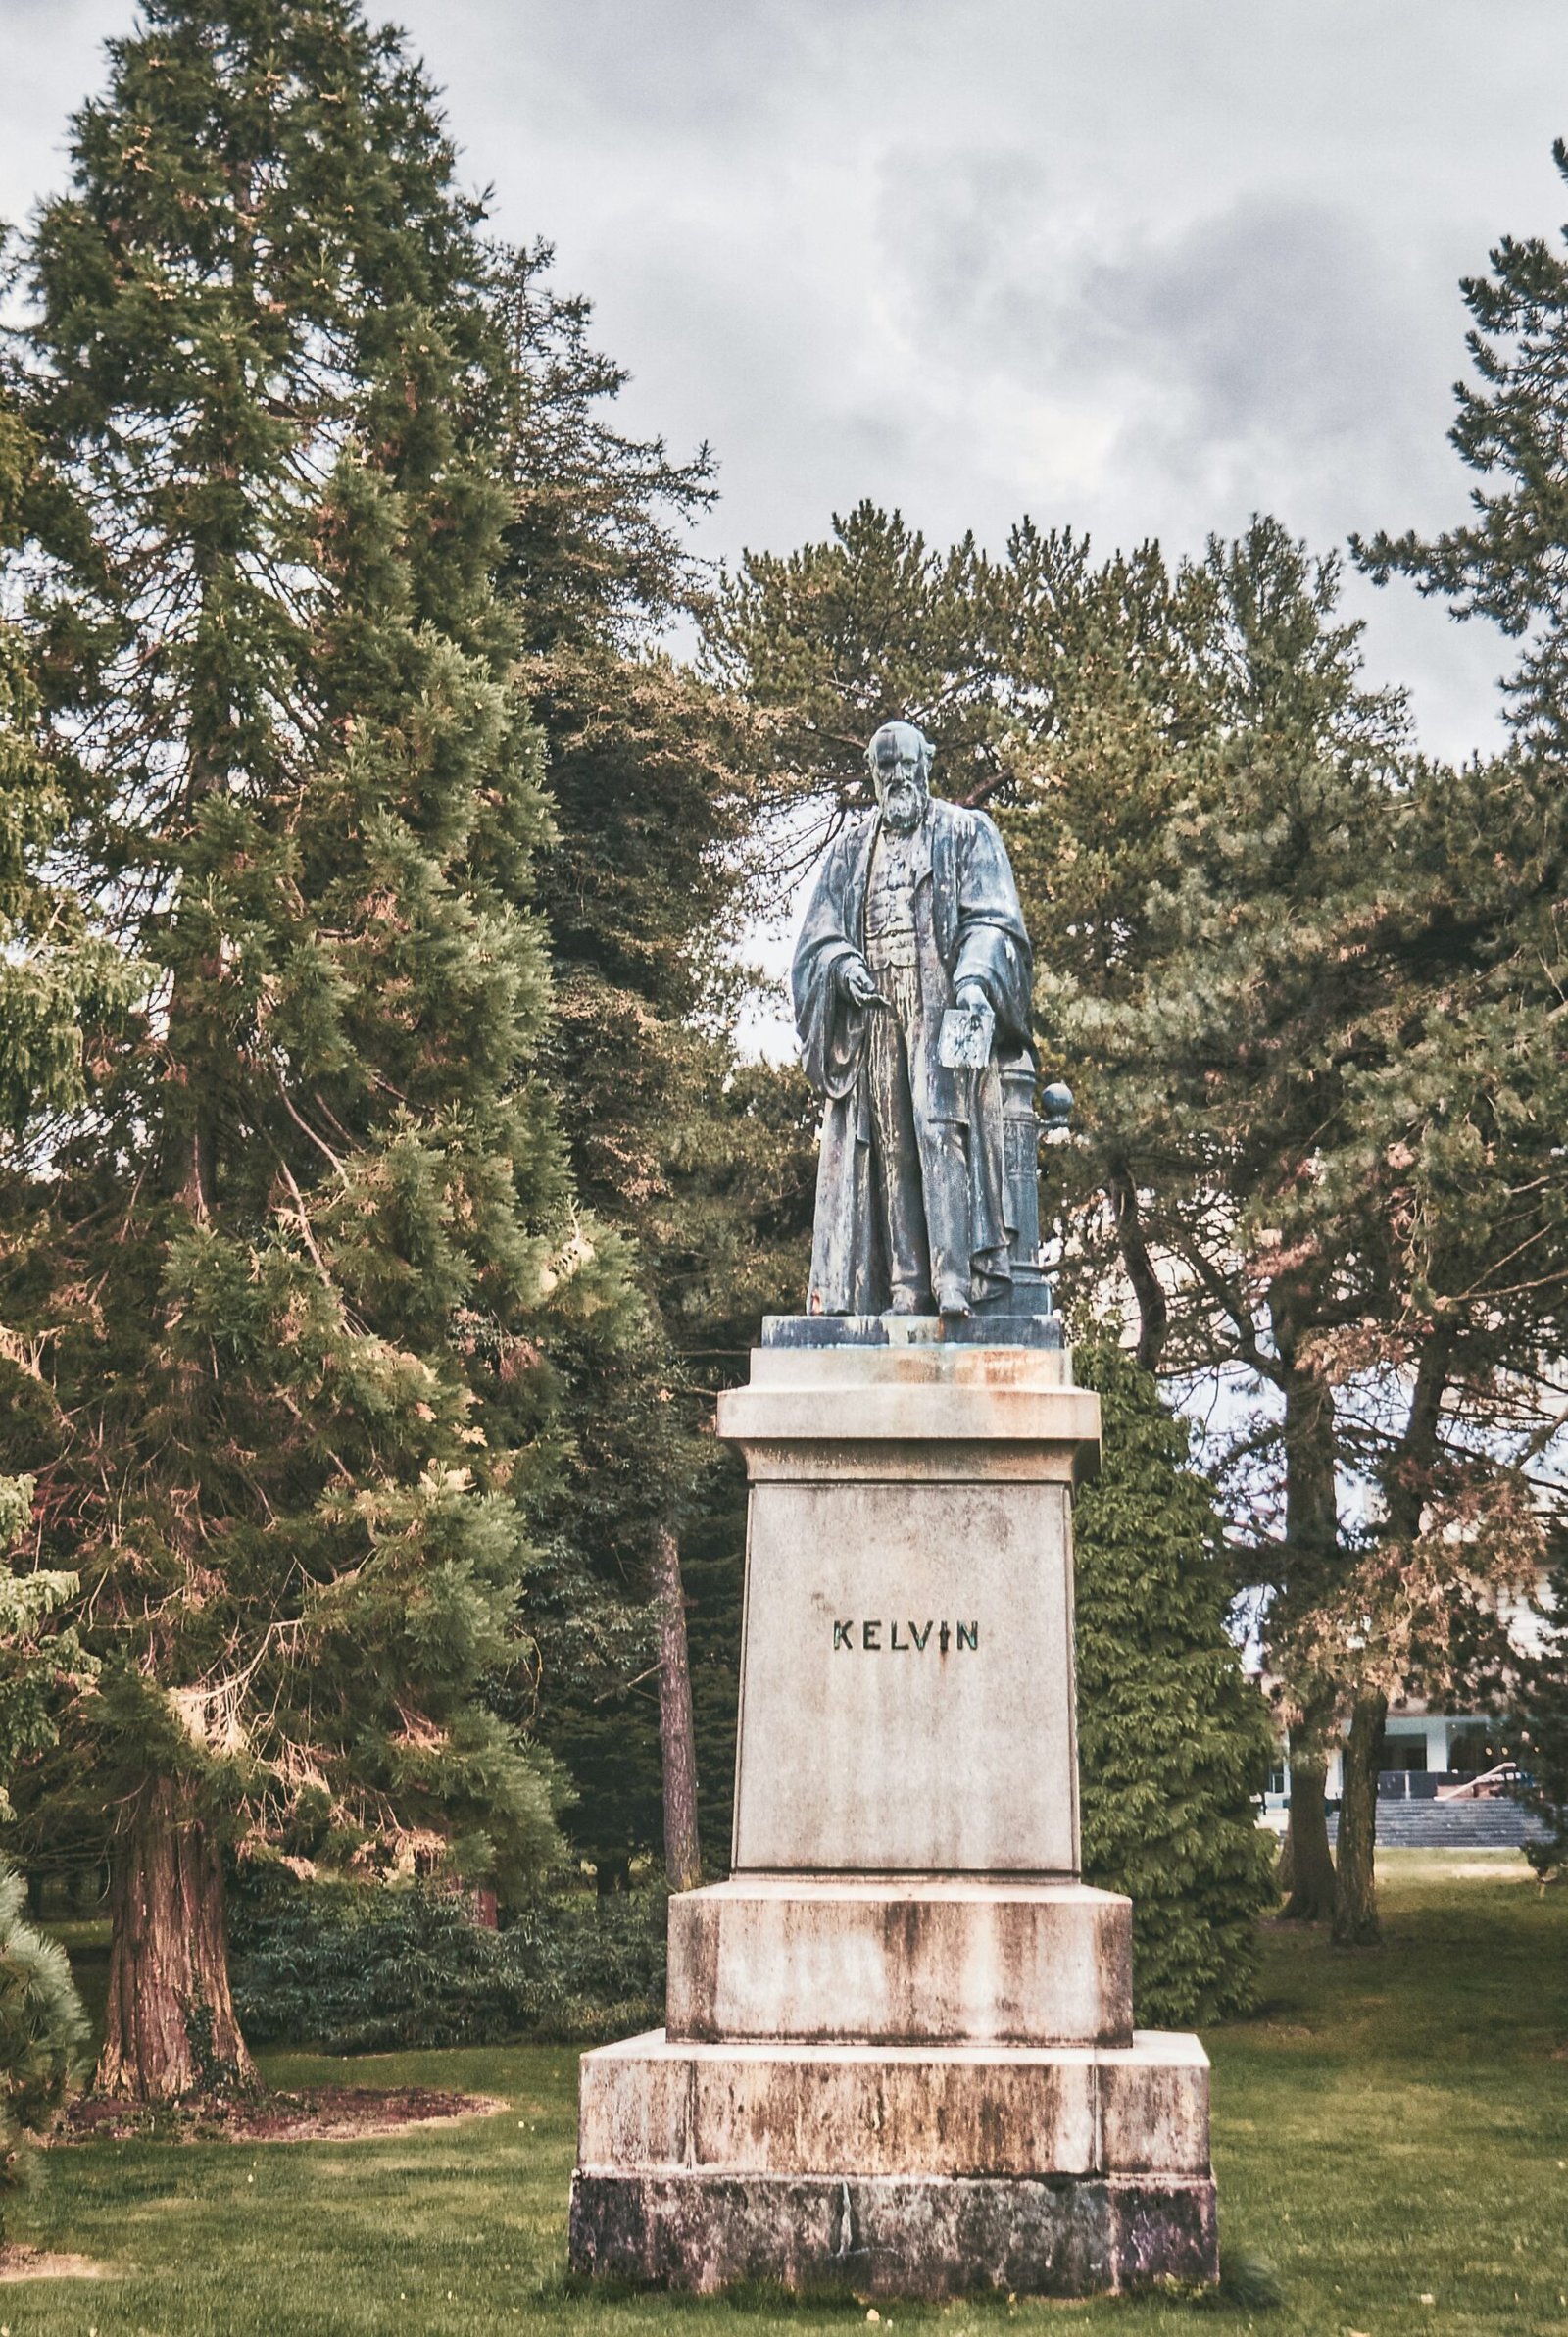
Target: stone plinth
{"type": "Point", "coordinates": [939, 1961]}
{"type": "Point", "coordinates": [653, 2105]}
{"type": "Point", "coordinates": [907, 1699]}
{"type": "Point", "coordinates": [898, 2051]}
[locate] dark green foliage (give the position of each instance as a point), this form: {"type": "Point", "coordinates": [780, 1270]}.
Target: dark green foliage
{"type": "Point", "coordinates": [1506, 564]}
{"type": "Point", "coordinates": [357, 1970]}
{"type": "Point", "coordinates": [646, 880]}
{"type": "Point", "coordinates": [1306, 989]}
{"type": "Point", "coordinates": [310, 1293]}
{"type": "Point", "coordinates": [43, 2033]}
{"type": "Point", "coordinates": [1175, 1740]}
{"type": "Point", "coordinates": [55, 973]}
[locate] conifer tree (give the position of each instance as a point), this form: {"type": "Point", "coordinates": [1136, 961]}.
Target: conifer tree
{"type": "Point", "coordinates": [653, 793]}
{"type": "Point", "coordinates": [1315, 1118]}
{"type": "Point", "coordinates": [307, 1247]}
{"type": "Point", "coordinates": [55, 974]}
{"type": "Point", "coordinates": [1173, 1740]}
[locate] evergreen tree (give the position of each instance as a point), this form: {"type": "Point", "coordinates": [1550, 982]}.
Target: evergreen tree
{"type": "Point", "coordinates": [43, 2034]}
{"type": "Point", "coordinates": [1174, 1741]}
{"type": "Point", "coordinates": [55, 974]}
{"type": "Point", "coordinates": [305, 1254]}
{"type": "Point", "coordinates": [1320, 1125]}
{"type": "Point", "coordinates": [1506, 563]}
{"type": "Point", "coordinates": [653, 794]}
{"type": "Point", "coordinates": [1314, 1135]}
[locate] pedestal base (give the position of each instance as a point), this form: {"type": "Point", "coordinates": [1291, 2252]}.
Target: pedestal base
{"type": "Point", "coordinates": [913, 2171]}
{"type": "Point", "coordinates": [900, 2056]}
{"type": "Point", "coordinates": [940, 1959]}
{"type": "Point", "coordinates": [896, 2235]}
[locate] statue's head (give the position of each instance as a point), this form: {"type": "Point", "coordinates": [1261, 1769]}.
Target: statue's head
{"type": "Point", "coordinates": [899, 759]}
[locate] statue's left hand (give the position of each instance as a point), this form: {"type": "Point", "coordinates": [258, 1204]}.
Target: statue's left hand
{"type": "Point", "coordinates": [971, 996]}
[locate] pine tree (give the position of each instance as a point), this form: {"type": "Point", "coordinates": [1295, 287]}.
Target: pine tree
{"type": "Point", "coordinates": [55, 974]}
{"type": "Point", "coordinates": [309, 1246]}
{"type": "Point", "coordinates": [1338, 1147]}
{"type": "Point", "coordinates": [1315, 1118]}
{"type": "Point", "coordinates": [1506, 564]}
{"type": "Point", "coordinates": [652, 789]}
{"type": "Point", "coordinates": [1175, 1740]}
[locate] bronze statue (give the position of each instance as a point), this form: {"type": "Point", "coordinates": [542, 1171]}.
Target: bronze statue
{"type": "Point", "coordinates": [912, 984]}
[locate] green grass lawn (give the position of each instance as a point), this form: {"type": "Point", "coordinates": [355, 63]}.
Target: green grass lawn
{"type": "Point", "coordinates": [1393, 2126]}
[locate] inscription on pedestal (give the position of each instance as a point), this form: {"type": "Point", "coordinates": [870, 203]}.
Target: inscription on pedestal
{"type": "Point", "coordinates": [922, 1721]}
{"type": "Point", "coordinates": [868, 1637]}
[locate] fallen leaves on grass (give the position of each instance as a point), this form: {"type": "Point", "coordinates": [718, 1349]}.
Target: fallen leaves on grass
{"type": "Point", "coordinates": [42, 2263]}
{"type": "Point", "coordinates": [328, 2113]}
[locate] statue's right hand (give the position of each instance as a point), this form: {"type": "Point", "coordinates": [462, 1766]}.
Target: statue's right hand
{"type": "Point", "coordinates": [857, 984]}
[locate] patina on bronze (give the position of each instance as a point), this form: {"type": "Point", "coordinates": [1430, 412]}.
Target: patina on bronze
{"type": "Point", "coordinates": [912, 984]}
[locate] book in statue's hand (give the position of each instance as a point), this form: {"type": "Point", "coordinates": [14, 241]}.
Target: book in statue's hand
{"type": "Point", "coordinates": [964, 1041]}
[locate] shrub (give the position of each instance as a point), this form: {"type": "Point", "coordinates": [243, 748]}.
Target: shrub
{"type": "Point", "coordinates": [1174, 1739]}
{"type": "Point", "coordinates": [362, 1968]}
{"type": "Point", "coordinates": [43, 2031]}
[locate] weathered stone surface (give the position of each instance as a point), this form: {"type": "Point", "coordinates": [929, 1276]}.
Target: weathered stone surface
{"type": "Point", "coordinates": [907, 1680]}
{"type": "Point", "coordinates": [656, 2101]}
{"type": "Point", "coordinates": [931, 2236]}
{"type": "Point", "coordinates": [1030, 1322]}
{"type": "Point", "coordinates": [906, 1696]}
{"type": "Point", "coordinates": [900, 2055]}
{"type": "Point", "coordinates": [944, 1960]}
{"type": "Point", "coordinates": [914, 1391]}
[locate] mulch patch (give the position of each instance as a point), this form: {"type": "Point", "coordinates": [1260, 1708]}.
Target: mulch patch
{"type": "Point", "coordinates": [42, 2263]}
{"type": "Point", "coordinates": [326, 2113]}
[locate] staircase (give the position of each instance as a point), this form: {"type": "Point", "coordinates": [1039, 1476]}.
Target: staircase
{"type": "Point", "coordinates": [1489, 1824]}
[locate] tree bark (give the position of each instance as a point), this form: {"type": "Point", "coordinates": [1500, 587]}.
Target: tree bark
{"type": "Point", "coordinates": [1406, 1484]}
{"type": "Point", "coordinates": [678, 1738]}
{"type": "Point", "coordinates": [1312, 1552]}
{"type": "Point", "coordinates": [1306, 1854]}
{"type": "Point", "coordinates": [1154, 1316]}
{"type": "Point", "coordinates": [1356, 1897]}
{"type": "Point", "coordinates": [683, 1857]}
{"type": "Point", "coordinates": [170, 2026]}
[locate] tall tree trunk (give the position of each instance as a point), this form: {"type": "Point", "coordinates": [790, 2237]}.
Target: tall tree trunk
{"type": "Point", "coordinates": [1406, 1485]}
{"type": "Point", "coordinates": [1312, 1539]}
{"type": "Point", "coordinates": [678, 1738]}
{"type": "Point", "coordinates": [170, 2027]}
{"type": "Point", "coordinates": [1306, 1854]}
{"type": "Point", "coordinates": [1154, 1316]}
{"type": "Point", "coordinates": [1356, 1898]}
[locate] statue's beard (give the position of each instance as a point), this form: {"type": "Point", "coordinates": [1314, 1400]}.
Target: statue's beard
{"type": "Point", "coordinates": [904, 809]}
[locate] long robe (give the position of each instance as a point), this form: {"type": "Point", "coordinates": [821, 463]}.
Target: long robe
{"type": "Point", "coordinates": [977, 934]}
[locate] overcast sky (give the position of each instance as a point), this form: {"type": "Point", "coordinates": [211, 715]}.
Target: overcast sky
{"type": "Point", "coordinates": [1141, 266]}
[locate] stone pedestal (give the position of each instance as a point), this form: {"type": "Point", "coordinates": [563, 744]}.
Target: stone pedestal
{"type": "Point", "coordinates": [898, 2051]}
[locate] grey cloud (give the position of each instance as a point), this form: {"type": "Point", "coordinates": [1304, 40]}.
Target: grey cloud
{"type": "Point", "coordinates": [1137, 266]}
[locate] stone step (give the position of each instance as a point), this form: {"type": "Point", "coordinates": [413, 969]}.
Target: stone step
{"type": "Point", "coordinates": [896, 2236]}
{"type": "Point", "coordinates": [653, 2102]}
{"type": "Point", "coordinates": [898, 2170]}
{"type": "Point", "coordinates": [942, 1959]}
{"type": "Point", "coordinates": [1450, 1825]}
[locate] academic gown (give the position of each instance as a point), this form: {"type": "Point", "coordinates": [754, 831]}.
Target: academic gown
{"type": "Point", "coordinates": [978, 935]}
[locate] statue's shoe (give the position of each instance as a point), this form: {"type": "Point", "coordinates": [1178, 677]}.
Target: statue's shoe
{"type": "Point", "coordinates": [953, 1299]}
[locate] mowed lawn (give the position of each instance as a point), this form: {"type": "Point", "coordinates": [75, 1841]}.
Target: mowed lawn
{"type": "Point", "coordinates": [1393, 2129]}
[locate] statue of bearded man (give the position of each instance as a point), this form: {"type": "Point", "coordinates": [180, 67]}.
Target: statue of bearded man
{"type": "Point", "coordinates": [914, 912]}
